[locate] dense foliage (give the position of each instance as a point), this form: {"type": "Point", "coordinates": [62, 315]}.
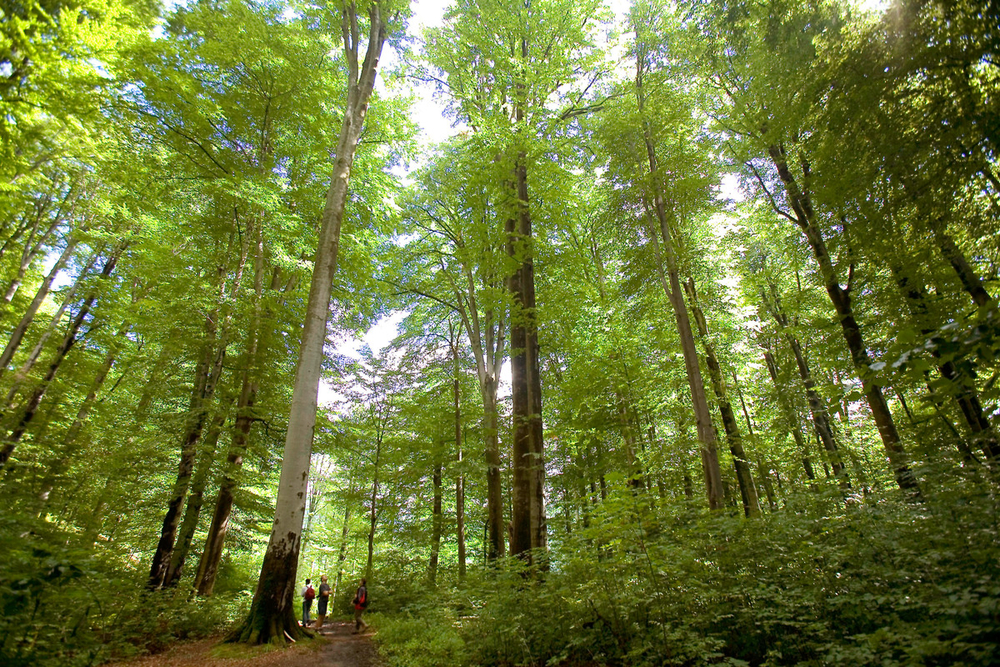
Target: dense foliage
{"type": "Point", "coordinates": [694, 347]}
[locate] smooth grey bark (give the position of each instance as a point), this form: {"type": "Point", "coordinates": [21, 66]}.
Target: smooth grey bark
{"type": "Point", "coordinates": [272, 612]}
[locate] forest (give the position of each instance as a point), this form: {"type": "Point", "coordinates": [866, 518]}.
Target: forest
{"type": "Point", "coordinates": [676, 343]}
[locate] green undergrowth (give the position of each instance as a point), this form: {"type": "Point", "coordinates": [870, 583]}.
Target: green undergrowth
{"type": "Point", "coordinates": [822, 581]}
{"type": "Point", "coordinates": [67, 606]}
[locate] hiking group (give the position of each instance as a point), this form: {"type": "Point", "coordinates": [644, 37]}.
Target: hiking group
{"type": "Point", "coordinates": [309, 594]}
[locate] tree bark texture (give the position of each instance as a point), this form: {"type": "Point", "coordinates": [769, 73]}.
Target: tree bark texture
{"type": "Point", "coordinates": [272, 613]}
{"type": "Point", "coordinates": [528, 531]}
{"type": "Point", "coordinates": [432, 565]}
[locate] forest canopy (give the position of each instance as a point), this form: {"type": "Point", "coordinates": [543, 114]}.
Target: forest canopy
{"type": "Point", "coordinates": [694, 339]}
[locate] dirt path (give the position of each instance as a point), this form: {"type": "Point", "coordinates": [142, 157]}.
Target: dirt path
{"type": "Point", "coordinates": [339, 648]}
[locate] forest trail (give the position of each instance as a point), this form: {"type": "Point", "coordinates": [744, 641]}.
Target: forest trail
{"type": "Point", "coordinates": [341, 649]}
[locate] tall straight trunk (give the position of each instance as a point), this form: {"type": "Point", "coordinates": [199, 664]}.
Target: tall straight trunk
{"type": "Point", "coordinates": [672, 286]}
{"type": "Point", "coordinates": [70, 443]}
{"type": "Point", "coordinates": [17, 335]}
{"type": "Point", "coordinates": [487, 340]}
{"type": "Point", "coordinates": [201, 395]}
{"type": "Point", "coordinates": [53, 326]}
{"type": "Point", "coordinates": [967, 275]}
{"type": "Point", "coordinates": [211, 555]}
{"type": "Point", "coordinates": [748, 491]}
{"type": "Point", "coordinates": [432, 565]}
{"type": "Point", "coordinates": [272, 612]}
{"type": "Point", "coordinates": [342, 555]}
{"type": "Point", "coordinates": [372, 510]}
{"type": "Point", "coordinates": [460, 476]}
{"type": "Point", "coordinates": [192, 508]}
{"type": "Point", "coordinates": [34, 247]}
{"type": "Point", "coordinates": [528, 511]}
{"type": "Point", "coordinates": [208, 372]}
{"type": "Point", "coordinates": [817, 406]}
{"type": "Point", "coordinates": [35, 398]}
{"type": "Point", "coordinates": [804, 216]}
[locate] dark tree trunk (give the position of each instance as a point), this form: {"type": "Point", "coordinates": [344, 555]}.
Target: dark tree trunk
{"type": "Point", "coordinates": [432, 565]}
{"type": "Point", "coordinates": [192, 509]}
{"type": "Point", "coordinates": [841, 298]}
{"type": "Point", "coordinates": [748, 491]}
{"type": "Point", "coordinates": [528, 532]}
{"type": "Point", "coordinates": [35, 398]}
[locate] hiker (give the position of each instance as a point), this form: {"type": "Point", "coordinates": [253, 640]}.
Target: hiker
{"type": "Point", "coordinates": [324, 600]}
{"type": "Point", "coordinates": [360, 603]}
{"type": "Point", "coordinates": [308, 593]}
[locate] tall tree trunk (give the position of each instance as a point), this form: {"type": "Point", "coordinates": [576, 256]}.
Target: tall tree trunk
{"type": "Point", "coordinates": [963, 389]}
{"type": "Point", "coordinates": [672, 286]}
{"type": "Point", "coordinates": [208, 372]}
{"type": "Point", "coordinates": [272, 613]}
{"type": "Point", "coordinates": [192, 509]}
{"type": "Point", "coordinates": [528, 532]}
{"type": "Point", "coordinates": [17, 335]}
{"type": "Point", "coordinates": [970, 280]}
{"type": "Point", "coordinates": [432, 565]}
{"type": "Point", "coordinates": [342, 556]}
{"type": "Point", "coordinates": [70, 444]}
{"type": "Point", "coordinates": [36, 351]}
{"type": "Point", "coordinates": [460, 474]}
{"type": "Point", "coordinates": [790, 414]}
{"type": "Point", "coordinates": [211, 555]}
{"type": "Point", "coordinates": [748, 491]}
{"type": "Point", "coordinates": [35, 399]}
{"type": "Point", "coordinates": [805, 218]}
{"type": "Point", "coordinates": [372, 510]}
{"type": "Point", "coordinates": [201, 396]}
{"type": "Point", "coordinates": [33, 247]}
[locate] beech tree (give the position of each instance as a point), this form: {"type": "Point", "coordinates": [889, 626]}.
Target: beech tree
{"type": "Point", "coordinates": [272, 613]}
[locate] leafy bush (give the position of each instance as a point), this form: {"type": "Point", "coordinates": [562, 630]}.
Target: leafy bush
{"type": "Point", "coordinates": [872, 581]}
{"type": "Point", "coordinates": [63, 605]}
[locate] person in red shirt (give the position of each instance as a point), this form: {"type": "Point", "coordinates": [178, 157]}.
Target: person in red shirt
{"type": "Point", "coordinates": [360, 604]}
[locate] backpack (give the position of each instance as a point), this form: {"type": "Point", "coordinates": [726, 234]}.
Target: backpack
{"type": "Point", "coordinates": [310, 593]}
{"type": "Point", "coordinates": [363, 597]}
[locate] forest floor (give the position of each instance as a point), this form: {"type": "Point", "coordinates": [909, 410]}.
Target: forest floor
{"type": "Point", "coordinates": [339, 647]}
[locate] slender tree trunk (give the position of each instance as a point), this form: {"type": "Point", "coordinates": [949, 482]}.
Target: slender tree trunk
{"type": "Point", "coordinates": [35, 399]}
{"type": "Point", "coordinates": [17, 335]}
{"type": "Point", "coordinates": [272, 613]}
{"type": "Point", "coordinates": [841, 298]}
{"type": "Point", "coordinates": [342, 556]}
{"type": "Point", "coordinates": [436, 526]}
{"type": "Point", "coordinates": [192, 509]}
{"type": "Point", "coordinates": [36, 351]}
{"type": "Point", "coordinates": [963, 389]}
{"type": "Point", "coordinates": [373, 512]}
{"type": "Point", "coordinates": [460, 475]}
{"type": "Point", "coordinates": [748, 491]}
{"type": "Point", "coordinates": [956, 258]}
{"type": "Point", "coordinates": [699, 401]}
{"type": "Point", "coordinates": [201, 395]}
{"type": "Point", "coordinates": [70, 445]}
